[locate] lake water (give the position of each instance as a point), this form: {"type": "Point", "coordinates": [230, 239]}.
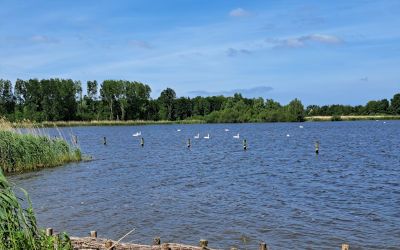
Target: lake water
{"type": "Point", "coordinates": [278, 191]}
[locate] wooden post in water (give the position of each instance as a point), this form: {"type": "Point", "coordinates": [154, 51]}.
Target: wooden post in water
{"type": "Point", "coordinates": [317, 147]}
{"type": "Point", "coordinates": [345, 246]}
{"type": "Point", "coordinates": [244, 144]}
{"type": "Point", "coordinates": [157, 241]}
{"type": "Point", "coordinates": [49, 231]}
{"type": "Point", "coordinates": [142, 142]}
{"type": "Point", "coordinates": [234, 248]}
{"type": "Point", "coordinates": [104, 140]}
{"type": "Point", "coordinates": [203, 243]}
{"type": "Point", "coordinates": [93, 234]}
{"type": "Point", "coordinates": [263, 246]}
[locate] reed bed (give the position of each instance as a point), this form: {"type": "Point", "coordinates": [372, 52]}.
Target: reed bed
{"type": "Point", "coordinates": [33, 149]}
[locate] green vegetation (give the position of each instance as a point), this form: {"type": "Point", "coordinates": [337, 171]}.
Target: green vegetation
{"type": "Point", "coordinates": [18, 228]}
{"type": "Point", "coordinates": [50, 100]}
{"type": "Point", "coordinates": [22, 152]}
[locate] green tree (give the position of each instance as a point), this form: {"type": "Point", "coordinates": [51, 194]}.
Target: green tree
{"type": "Point", "coordinates": [167, 99]}
{"type": "Point", "coordinates": [395, 104]}
{"type": "Point", "coordinates": [296, 111]}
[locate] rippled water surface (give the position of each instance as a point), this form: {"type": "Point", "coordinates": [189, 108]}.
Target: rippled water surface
{"type": "Point", "coordinates": [277, 191]}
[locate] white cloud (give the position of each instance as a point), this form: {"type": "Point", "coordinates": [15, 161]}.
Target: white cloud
{"type": "Point", "coordinates": [231, 52]}
{"type": "Point", "coordinates": [295, 42]}
{"type": "Point", "coordinates": [141, 44]}
{"type": "Point", "coordinates": [239, 12]}
{"type": "Point", "coordinates": [43, 39]}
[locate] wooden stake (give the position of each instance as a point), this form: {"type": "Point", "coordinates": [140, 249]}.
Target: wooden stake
{"type": "Point", "coordinates": [157, 241]}
{"type": "Point", "coordinates": [203, 243]}
{"type": "Point", "coordinates": [49, 231]}
{"type": "Point", "coordinates": [263, 246]}
{"type": "Point", "coordinates": [345, 246]}
{"type": "Point", "coordinates": [93, 234]}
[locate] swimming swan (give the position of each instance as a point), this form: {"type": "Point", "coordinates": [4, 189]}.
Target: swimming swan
{"type": "Point", "coordinates": [197, 136]}
{"type": "Point", "coordinates": [207, 137]}
{"type": "Point", "coordinates": [236, 136]}
{"type": "Point", "coordinates": [137, 133]}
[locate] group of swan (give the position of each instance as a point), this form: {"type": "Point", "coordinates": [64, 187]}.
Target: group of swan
{"type": "Point", "coordinates": [205, 137]}
{"type": "Point", "coordinates": [208, 136]}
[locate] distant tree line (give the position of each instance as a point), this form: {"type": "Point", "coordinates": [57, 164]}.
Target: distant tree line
{"type": "Point", "coordinates": [63, 100]}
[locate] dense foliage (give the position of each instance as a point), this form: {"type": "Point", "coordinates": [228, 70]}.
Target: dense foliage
{"type": "Point", "coordinates": [63, 100]}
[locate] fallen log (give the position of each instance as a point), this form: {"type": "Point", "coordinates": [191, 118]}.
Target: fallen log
{"type": "Point", "coordinates": [92, 243]}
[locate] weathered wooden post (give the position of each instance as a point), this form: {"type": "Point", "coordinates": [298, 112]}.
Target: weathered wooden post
{"type": "Point", "coordinates": [109, 245]}
{"type": "Point", "coordinates": [142, 142]}
{"type": "Point", "coordinates": [165, 246]}
{"type": "Point", "coordinates": [49, 231]}
{"type": "Point", "coordinates": [93, 234]}
{"type": "Point", "coordinates": [203, 243]}
{"type": "Point", "coordinates": [157, 241]}
{"type": "Point", "coordinates": [244, 144]}
{"type": "Point", "coordinates": [317, 147]}
{"type": "Point", "coordinates": [234, 248]}
{"type": "Point", "coordinates": [345, 246]}
{"type": "Point", "coordinates": [105, 140]}
{"type": "Point", "coordinates": [263, 246]}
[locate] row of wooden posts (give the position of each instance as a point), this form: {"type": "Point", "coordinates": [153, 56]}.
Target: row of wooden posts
{"type": "Point", "coordinates": [157, 241]}
{"type": "Point", "coordinates": [189, 144]}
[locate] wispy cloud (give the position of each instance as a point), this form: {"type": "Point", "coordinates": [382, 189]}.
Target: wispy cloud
{"type": "Point", "coordinates": [239, 12]}
{"type": "Point", "coordinates": [42, 39]}
{"type": "Point", "coordinates": [141, 44]}
{"type": "Point", "coordinates": [260, 91]}
{"type": "Point", "coordinates": [301, 41]}
{"type": "Point", "coordinates": [231, 52]}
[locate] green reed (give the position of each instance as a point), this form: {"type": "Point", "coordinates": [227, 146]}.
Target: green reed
{"type": "Point", "coordinates": [23, 152]}
{"type": "Point", "coordinates": [18, 227]}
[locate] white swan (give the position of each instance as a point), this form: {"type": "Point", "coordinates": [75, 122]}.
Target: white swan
{"type": "Point", "coordinates": [207, 136]}
{"type": "Point", "coordinates": [197, 136]}
{"type": "Point", "coordinates": [137, 133]}
{"type": "Point", "coordinates": [226, 130]}
{"type": "Point", "coordinates": [179, 130]}
{"type": "Point", "coordinates": [236, 136]}
{"type": "Point", "coordinates": [301, 126]}
{"type": "Point", "coordinates": [287, 135]}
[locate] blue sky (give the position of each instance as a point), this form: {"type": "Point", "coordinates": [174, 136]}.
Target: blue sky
{"type": "Point", "coordinates": [323, 52]}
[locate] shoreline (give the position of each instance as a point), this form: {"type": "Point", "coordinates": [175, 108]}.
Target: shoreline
{"type": "Point", "coordinates": [351, 118]}
{"type": "Point", "coordinates": [49, 124]}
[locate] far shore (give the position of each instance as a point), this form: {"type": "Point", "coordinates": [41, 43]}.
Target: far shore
{"type": "Point", "coordinates": [351, 118]}
{"type": "Point", "coordinates": [29, 124]}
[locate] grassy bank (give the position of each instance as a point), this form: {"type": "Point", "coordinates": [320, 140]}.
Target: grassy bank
{"type": "Point", "coordinates": [29, 124]}
{"type": "Point", "coordinates": [18, 227]}
{"type": "Point", "coordinates": [29, 151]}
{"type": "Point", "coordinates": [352, 118]}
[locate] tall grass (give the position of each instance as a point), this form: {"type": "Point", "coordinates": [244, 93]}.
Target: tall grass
{"type": "Point", "coordinates": [18, 227]}
{"type": "Point", "coordinates": [29, 151]}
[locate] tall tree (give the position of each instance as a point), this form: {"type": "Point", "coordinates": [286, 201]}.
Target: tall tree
{"type": "Point", "coordinates": [166, 99]}
{"type": "Point", "coordinates": [395, 104]}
